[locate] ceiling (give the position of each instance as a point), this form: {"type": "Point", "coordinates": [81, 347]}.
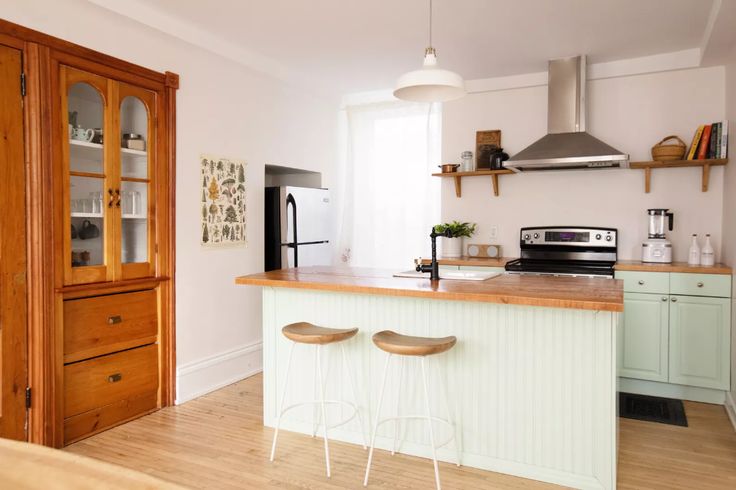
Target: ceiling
{"type": "Point", "coordinates": [351, 46]}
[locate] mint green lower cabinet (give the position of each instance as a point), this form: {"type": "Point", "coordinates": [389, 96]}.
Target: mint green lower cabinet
{"type": "Point", "coordinates": [644, 337]}
{"type": "Point", "coordinates": [700, 337]}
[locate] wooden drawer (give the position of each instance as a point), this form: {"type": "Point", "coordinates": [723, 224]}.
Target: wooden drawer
{"type": "Point", "coordinates": [645, 282]}
{"type": "Point", "coordinates": [716, 285]}
{"type": "Point", "coordinates": [94, 421]}
{"type": "Point", "coordinates": [110, 379]}
{"type": "Point", "coordinates": [106, 324]}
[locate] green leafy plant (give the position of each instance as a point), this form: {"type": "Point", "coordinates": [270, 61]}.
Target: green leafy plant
{"type": "Point", "coordinates": [458, 229]}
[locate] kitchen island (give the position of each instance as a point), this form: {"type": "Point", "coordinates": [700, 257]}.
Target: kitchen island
{"type": "Point", "coordinates": [532, 380]}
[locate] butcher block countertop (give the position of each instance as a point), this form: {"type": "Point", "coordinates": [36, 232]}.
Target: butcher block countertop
{"type": "Point", "coordinates": [553, 292]}
{"type": "Point", "coordinates": [638, 266]}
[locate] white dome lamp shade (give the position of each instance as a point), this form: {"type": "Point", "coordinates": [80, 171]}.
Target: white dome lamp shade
{"type": "Point", "coordinates": [430, 83]}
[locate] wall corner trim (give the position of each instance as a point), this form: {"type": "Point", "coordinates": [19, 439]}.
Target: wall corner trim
{"type": "Point", "coordinates": [731, 409]}
{"type": "Point", "coordinates": [206, 375]}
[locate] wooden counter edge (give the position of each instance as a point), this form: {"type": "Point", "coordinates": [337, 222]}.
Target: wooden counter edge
{"type": "Point", "coordinates": [635, 266]}
{"type": "Point", "coordinates": [506, 299]}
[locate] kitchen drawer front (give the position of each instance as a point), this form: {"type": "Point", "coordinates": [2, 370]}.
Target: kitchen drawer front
{"type": "Point", "coordinates": [716, 285]}
{"type": "Point", "coordinates": [106, 324]}
{"type": "Point", "coordinates": [645, 282]}
{"type": "Point", "coordinates": [110, 379]}
{"type": "Point", "coordinates": [99, 419]}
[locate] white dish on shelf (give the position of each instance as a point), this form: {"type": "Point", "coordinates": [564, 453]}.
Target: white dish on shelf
{"type": "Point", "coordinates": [86, 215]}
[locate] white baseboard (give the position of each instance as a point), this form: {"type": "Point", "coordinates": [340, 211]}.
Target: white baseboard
{"type": "Point", "coordinates": [731, 409]}
{"type": "Point", "coordinates": [212, 373]}
{"type": "Point", "coordinates": [667, 390]}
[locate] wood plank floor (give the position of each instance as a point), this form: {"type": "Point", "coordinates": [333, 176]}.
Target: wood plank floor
{"type": "Point", "coordinates": [217, 441]}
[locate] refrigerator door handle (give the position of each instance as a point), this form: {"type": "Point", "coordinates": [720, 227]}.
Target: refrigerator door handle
{"type": "Point", "coordinates": [294, 243]}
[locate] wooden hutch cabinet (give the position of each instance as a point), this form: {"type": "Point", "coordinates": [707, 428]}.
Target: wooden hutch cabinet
{"type": "Point", "coordinates": [100, 140]}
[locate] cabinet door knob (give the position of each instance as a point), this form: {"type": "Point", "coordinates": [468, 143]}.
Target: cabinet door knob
{"type": "Point", "coordinates": [674, 300]}
{"type": "Point", "coordinates": [641, 283]}
{"type": "Point", "coordinates": [115, 319]}
{"type": "Point", "coordinates": [700, 284]}
{"type": "Point", "coordinates": [114, 378]}
{"type": "Point", "coordinates": [664, 298]}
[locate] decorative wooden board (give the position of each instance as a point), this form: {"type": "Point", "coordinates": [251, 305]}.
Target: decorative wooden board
{"type": "Point", "coordinates": [488, 137]}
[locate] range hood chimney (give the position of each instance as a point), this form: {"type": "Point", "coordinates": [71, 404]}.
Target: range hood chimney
{"type": "Point", "coordinates": [567, 145]}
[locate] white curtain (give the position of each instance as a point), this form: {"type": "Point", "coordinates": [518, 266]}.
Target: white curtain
{"type": "Point", "coordinates": [389, 200]}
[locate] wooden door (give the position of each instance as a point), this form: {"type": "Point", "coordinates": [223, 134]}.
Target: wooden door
{"type": "Point", "coordinates": [89, 195]}
{"type": "Point", "coordinates": [135, 167]}
{"type": "Point", "coordinates": [13, 311]}
{"type": "Point", "coordinates": [700, 341]}
{"type": "Point", "coordinates": [644, 339]}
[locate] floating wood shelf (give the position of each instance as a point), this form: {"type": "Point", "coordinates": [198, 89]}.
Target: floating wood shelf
{"type": "Point", "coordinates": [705, 164]}
{"type": "Point", "coordinates": [457, 176]}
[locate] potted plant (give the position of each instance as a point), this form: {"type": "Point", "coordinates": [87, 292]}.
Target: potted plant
{"type": "Point", "coordinates": [453, 247]}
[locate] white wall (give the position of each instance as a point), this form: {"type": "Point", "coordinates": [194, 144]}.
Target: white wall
{"type": "Point", "coordinates": [729, 215]}
{"type": "Point", "coordinates": [631, 113]}
{"type": "Point", "coordinates": [225, 109]}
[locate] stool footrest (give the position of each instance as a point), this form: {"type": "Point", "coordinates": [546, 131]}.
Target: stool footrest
{"type": "Point", "coordinates": [328, 402]}
{"type": "Point", "coordinates": [424, 417]}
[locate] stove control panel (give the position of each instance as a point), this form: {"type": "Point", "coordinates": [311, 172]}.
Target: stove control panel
{"type": "Point", "coordinates": [569, 236]}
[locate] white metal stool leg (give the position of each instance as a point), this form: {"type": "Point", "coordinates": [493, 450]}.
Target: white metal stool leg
{"type": "Point", "coordinates": [324, 410]}
{"type": "Point", "coordinates": [375, 424]}
{"type": "Point", "coordinates": [397, 424]}
{"type": "Point", "coordinates": [281, 406]}
{"type": "Point", "coordinates": [355, 398]}
{"type": "Point", "coordinates": [429, 422]}
{"type": "Point", "coordinates": [315, 408]}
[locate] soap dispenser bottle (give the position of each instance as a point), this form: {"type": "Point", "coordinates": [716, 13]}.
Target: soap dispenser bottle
{"type": "Point", "coordinates": [693, 257]}
{"type": "Point", "coordinates": [707, 255]}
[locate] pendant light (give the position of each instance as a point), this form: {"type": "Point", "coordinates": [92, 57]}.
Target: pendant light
{"type": "Point", "coordinates": [430, 83]}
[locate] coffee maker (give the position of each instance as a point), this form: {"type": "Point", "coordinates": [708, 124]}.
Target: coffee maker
{"type": "Point", "coordinates": [657, 248]}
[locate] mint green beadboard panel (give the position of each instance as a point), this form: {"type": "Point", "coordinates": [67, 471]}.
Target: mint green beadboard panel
{"type": "Point", "coordinates": [643, 346]}
{"type": "Point", "coordinates": [700, 341]}
{"type": "Point", "coordinates": [533, 389]}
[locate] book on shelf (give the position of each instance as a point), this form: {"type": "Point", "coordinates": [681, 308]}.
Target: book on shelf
{"type": "Point", "coordinates": [704, 142]}
{"type": "Point", "coordinates": [712, 145]}
{"type": "Point", "coordinates": [694, 145]}
{"type": "Point", "coordinates": [724, 139]}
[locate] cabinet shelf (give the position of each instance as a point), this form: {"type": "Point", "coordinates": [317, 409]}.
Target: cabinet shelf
{"type": "Point", "coordinates": [457, 176]}
{"type": "Point", "coordinates": [648, 166]}
{"type": "Point", "coordinates": [91, 150]}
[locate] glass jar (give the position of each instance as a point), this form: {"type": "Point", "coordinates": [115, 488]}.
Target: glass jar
{"type": "Point", "coordinates": [467, 161]}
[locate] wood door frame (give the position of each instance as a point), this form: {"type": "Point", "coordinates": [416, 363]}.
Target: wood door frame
{"type": "Point", "coordinates": [44, 297]}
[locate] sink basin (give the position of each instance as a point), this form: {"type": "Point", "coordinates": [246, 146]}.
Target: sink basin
{"type": "Point", "coordinates": [456, 275]}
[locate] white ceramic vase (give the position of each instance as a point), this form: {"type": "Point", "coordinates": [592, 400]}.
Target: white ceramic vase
{"type": "Point", "coordinates": [452, 247]}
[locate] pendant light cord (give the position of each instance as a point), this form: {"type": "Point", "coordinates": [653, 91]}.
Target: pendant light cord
{"type": "Point", "coordinates": [430, 23]}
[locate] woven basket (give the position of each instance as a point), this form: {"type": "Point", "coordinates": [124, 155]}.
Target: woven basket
{"type": "Point", "coordinates": [663, 153]}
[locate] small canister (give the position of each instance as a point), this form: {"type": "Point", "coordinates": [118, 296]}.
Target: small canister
{"type": "Point", "coordinates": [467, 161]}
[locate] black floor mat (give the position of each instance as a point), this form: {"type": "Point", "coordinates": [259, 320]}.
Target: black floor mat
{"type": "Point", "coordinates": [651, 409]}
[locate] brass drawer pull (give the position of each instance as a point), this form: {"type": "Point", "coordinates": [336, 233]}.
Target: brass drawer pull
{"type": "Point", "coordinates": [641, 283]}
{"type": "Point", "coordinates": [115, 319]}
{"type": "Point", "coordinates": [114, 378]}
{"type": "Point", "coordinates": [700, 284]}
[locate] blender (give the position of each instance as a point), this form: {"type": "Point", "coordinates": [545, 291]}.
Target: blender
{"type": "Point", "coordinates": [657, 248]}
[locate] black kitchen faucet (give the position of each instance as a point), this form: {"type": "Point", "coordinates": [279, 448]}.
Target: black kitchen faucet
{"type": "Point", "coordinates": [434, 268]}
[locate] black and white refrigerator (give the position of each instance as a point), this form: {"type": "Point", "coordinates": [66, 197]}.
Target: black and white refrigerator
{"type": "Point", "coordinates": [297, 227]}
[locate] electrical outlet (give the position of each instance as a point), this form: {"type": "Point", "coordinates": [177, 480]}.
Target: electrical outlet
{"type": "Point", "coordinates": [494, 233]}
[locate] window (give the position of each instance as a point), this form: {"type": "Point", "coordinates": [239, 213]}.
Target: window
{"type": "Point", "coordinates": [389, 199]}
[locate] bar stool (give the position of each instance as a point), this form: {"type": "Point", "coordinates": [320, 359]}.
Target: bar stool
{"type": "Point", "coordinates": [306, 333]}
{"type": "Point", "coordinates": [404, 345]}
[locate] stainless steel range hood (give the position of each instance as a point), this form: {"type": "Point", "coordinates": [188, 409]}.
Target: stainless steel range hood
{"type": "Point", "coordinates": [567, 146]}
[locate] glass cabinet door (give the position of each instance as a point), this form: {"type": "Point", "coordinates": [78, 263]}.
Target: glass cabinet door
{"type": "Point", "coordinates": [135, 247]}
{"type": "Point", "coordinates": [87, 190]}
